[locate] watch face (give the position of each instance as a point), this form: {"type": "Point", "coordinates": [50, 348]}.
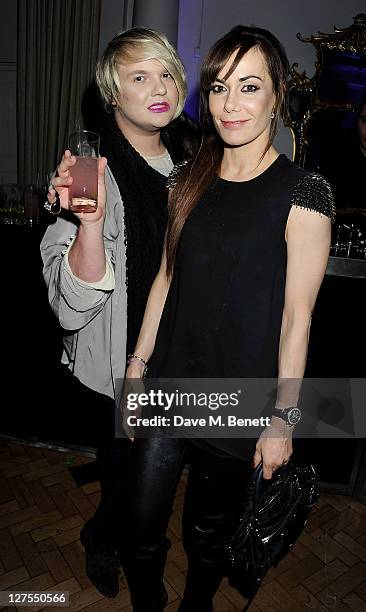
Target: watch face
{"type": "Point", "coordinates": [294, 416]}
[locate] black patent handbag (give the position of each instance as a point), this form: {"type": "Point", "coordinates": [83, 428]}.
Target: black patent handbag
{"type": "Point", "coordinates": [273, 517]}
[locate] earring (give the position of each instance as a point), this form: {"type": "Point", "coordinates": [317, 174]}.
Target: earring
{"type": "Point", "coordinates": [272, 114]}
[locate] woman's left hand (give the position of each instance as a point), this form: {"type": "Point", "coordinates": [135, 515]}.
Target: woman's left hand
{"type": "Point", "coordinates": [274, 447]}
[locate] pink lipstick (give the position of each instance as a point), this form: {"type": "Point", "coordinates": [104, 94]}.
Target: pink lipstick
{"type": "Point", "coordinates": [231, 125]}
{"type": "Point", "coordinates": [159, 107]}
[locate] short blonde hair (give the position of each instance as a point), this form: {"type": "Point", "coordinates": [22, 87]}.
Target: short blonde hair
{"type": "Point", "coordinates": [138, 44]}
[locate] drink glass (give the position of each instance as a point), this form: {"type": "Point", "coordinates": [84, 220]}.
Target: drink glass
{"type": "Point", "coordinates": [31, 205]}
{"type": "Point", "coordinates": [84, 188]}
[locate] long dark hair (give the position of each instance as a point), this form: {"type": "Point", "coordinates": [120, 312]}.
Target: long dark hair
{"type": "Point", "coordinates": [199, 173]}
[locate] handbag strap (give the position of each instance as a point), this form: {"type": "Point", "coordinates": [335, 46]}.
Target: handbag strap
{"type": "Point", "coordinates": [257, 482]}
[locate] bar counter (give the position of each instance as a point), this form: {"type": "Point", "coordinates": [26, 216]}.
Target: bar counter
{"type": "Point", "coordinates": [346, 267]}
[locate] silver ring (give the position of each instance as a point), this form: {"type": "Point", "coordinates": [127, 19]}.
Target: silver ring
{"type": "Point", "coordinates": [54, 208]}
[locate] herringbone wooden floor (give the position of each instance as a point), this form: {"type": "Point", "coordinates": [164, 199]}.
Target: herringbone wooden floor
{"type": "Point", "coordinates": [42, 511]}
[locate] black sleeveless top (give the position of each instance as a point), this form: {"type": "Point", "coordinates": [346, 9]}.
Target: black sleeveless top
{"type": "Point", "coordinates": [223, 313]}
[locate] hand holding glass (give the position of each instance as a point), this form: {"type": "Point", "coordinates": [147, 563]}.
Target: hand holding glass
{"type": "Point", "coordinates": [84, 188]}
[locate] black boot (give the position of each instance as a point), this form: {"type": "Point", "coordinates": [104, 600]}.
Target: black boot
{"type": "Point", "coordinates": [144, 570]}
{"type": "Point", "coordinates": [101, 561]}
{"type": "Point", "coordinates": [203, 580]}
{"type": "Point", "coordinates": [158, 606]}
{"type": "Point", "coordinates": [187, 606]}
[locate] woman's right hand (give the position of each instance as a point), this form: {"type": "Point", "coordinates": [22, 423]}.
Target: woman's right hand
{"type": "Point", "coordinates": [62, 182]}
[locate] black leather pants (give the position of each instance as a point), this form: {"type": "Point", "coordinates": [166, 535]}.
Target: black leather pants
{"type": "Point", "coordinates": [213, 500]}
{"type": "Point", "coordinates": [154, 469]}
{"type": "Point", "coordinates": [215, 490]}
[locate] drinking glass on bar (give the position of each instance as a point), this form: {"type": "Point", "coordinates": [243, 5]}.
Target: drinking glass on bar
{"type": "Point", "coordinates": [84, 188]}
{"type": "Point", "coordinates": [31, 205]}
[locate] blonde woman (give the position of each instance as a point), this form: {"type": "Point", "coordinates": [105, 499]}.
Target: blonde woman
{"type": "Point", "coordinates": [99, 267]}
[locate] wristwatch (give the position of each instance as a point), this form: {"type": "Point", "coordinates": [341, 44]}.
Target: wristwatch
{"type": "Point", "coordinates": [291, 416]}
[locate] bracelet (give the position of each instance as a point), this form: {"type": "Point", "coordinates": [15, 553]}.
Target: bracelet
{"type": "Point", "coordinates": [136, 358]}
{"type": "Point", "coordinates": [132, 358]}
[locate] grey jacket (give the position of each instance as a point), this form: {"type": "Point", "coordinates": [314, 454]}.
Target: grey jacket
{"type": "Point", "coordinates": [94, 320]}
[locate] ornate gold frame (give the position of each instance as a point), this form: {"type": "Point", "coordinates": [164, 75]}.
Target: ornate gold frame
{"type": "Point", "coordinates": [351, 39]}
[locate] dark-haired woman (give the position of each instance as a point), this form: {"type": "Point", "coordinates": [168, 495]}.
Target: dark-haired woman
{"type": "Point", "coordinates": [246, 250]}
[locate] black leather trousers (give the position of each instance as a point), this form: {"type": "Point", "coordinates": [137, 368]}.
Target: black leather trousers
{"type": "Point", "coordinates": [214, 494]}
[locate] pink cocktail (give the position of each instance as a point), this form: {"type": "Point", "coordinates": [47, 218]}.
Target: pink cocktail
{"type": "Point", "coordinates": [83, 191]}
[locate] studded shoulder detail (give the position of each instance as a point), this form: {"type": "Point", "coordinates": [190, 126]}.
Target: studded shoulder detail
{"type": "Point", "coordinates": [173, 176]}
{"type": "Point", "coordinates": [313, 192]}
